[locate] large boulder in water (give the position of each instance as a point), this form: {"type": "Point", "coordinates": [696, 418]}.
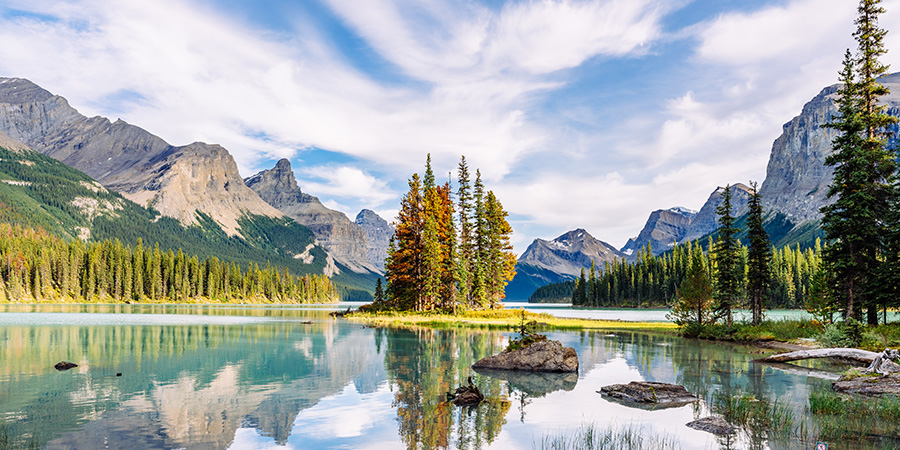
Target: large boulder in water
{"type": "Point", "coordinates": [716, 425]}
{"type": "Point", "coordinates": [541, 356]}
{"type": "Point", "coordinates": [650, 392]}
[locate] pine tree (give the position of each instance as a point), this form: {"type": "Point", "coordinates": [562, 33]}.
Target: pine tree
{"type": "Point", "coordinates": [758, 256]}
{"type": "Point", "coordinates": [479, 248]}
{"type": "Point", "coordinates": [465, 261]}
{"type": "Point", "coordinates": [693, 307]}
{"type": "Point", "coordinates": [863, 172]}
{"type": "Point", "coordinates": [499, 258]}
{"type": "Point", "coordinates": [403, 269]}
{"type": "Point", "coordinates": [728, 278]}
{"type": "Point", "coordinates": [379, 292]}
{"type": "Point", "coordinates": [579, 295]}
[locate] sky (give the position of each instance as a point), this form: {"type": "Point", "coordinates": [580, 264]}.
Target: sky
{"type": "Point", "coordinates": [579, 114]}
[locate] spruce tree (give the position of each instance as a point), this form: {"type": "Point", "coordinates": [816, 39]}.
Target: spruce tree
{"type": "Point", "coordinates": [758, 256]}
{"type": "Point", "coordinates": [728, 272]}
{"type": "Point", "coordinates": [863, 173]}
{"type": "Point", "coordinates": [379, 292]}
{"type": "Point", "coordinates": [465, 262]}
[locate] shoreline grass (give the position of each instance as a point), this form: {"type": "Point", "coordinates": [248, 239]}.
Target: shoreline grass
{"type": "Point", "coordinates": [501, 319]}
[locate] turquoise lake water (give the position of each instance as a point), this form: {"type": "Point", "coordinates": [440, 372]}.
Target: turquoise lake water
{"type": "Point", "coordinates": [207, 377]}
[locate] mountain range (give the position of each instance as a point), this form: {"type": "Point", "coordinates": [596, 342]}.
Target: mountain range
{"type": "Point", "coordinates": [127, 183]}
{"type": "Point", "coordinates": [198, 186]}
{"type": "Point", "coordinates": [794, 190]}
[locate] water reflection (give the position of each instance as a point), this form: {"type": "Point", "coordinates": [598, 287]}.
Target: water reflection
{"type": "Point", "coordinates": [183, 386]}
{"type": "Point", "coordinates": [264, 377]}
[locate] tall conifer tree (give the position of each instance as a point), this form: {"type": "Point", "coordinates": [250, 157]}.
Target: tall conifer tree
{"type": "Point", "coordinates": [727, 257]}
{"type": "Point", "coordinates": [863, 172]}
{"type": "Point", "coordinates": [758, 256]}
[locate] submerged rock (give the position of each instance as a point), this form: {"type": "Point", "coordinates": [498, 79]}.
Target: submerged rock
{"type": "Point", "coordinates": [65, 365]}
{"type": "Point", "coordinates": [541, 356]}
{"type": "Point", "coordinates": [649, 392]}
{"type": "Point", "coordinates": [716, 425]}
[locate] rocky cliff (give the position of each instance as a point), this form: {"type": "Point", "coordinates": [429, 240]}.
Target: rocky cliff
{"type": "Point", "coordinates": [561, 259]}
{"type": "Point", "coordinates": [177, 181]}
{"type": "Point", "coordinates": [378, 235]}
{"type": "Point", "coordinates": [344, 240]}
{"type": "Point", "coordinates": [663, 229]}
{"type": "Point", "coordinates": [797, 178]}
{"type": "Point", "coordinates": [706, 221]}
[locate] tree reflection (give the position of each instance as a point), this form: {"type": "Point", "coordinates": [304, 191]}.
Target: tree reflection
{"type": "Point", "coordinates": [423, 365]}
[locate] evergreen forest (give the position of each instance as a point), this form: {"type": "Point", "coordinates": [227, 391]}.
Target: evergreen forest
{"type": "Point", "coordinates": [37, 266]}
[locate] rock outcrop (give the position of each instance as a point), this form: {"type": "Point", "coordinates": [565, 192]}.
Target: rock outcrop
{"type": "Point", "coordinates": [706, 220]}
{"type": "Point", "coordinates": [797, 178]}
{"type": "Point", "coordinates": [343, 239]}
{"type": "Point", "coordinates": [716, 425]}
{"type": "Point", "coordinates": [177, 181]}
{"type": "Point", "coordinates": [663, 229]}
{"type": "Point", "coordinates": [541, 356]}
{"type": "Point", "coordinates": [649, 392]}
{"type": "Point", "coordinates": [378, 236]}
{"type": "Point", "coordinates": [561, 259]}
{"type": "Point", "coordinates": [870, 385]}
{"type": "Point", "coordinates": [11, 144]}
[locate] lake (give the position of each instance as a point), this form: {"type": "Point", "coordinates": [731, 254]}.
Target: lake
{"type": "Point", "coordinates": [252, 377]}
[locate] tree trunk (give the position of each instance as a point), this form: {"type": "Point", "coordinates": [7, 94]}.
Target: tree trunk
{"type": "Point", "coordinates": [853, 354]}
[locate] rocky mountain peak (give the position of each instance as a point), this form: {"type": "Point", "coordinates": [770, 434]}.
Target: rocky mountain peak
{"type": "Point", "coordinates": [663, 229]}
{"type": "Point", "coordinates": [797, 178]}
{"type": "Point", "coordinates": [20, 90]}
{"type": "Point", "coordinates": [706, 220]}
{"type": "Point", "coordinates": [378, 235]}
{"type": "Point", "coordinates": [343, 239]}
{"type": "Point", "coordinates": [177, 181]}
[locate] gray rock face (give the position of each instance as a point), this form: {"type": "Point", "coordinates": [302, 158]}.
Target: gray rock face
{"type": "Point", "coordinates": [11, 144]}
{"type": "Point", "coordinates": [569, 253]}
{"type": "Point", "coordinates": [378, 235]}
{"type": "Point", "coordinates": [541, 356]}
{"type": "Point", "coordinates": [561, 259]}
{"type": "Point", "coordinates": [716, 425]}
{"type": "Point", "coordinates": [797, 178]}
{"type": "Point", "coordinates": [649, 392]}
{"type": "Point", "coordinates": [343, 239]}
{"type": "Point", "coordinates": [663, 229]}
{"type": "Point", "coordinates": [177, 181]}
{"type": "Point", "coordinates": [706, 221]}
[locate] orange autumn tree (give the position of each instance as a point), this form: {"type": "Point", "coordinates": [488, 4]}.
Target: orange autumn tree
{"type": "Point", "coordinates": [424, 271]}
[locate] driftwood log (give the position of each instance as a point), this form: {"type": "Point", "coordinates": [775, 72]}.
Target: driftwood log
{"type": "Point", "coordinates": [884, 363]}
{"type": "Point", "coordinates": [881, 363]}
{"type": "Point", "coordinates": [853, 354]}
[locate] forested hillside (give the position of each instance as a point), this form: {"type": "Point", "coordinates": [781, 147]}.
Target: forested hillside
{"type": "Point", "coordinates": [39, 192]}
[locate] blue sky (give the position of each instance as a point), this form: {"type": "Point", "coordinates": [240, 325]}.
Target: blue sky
{"type": "Point", "coordinates": [580, 114]}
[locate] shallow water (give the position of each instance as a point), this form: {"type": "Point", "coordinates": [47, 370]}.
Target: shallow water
{"type": "Point", "coordinates": [206, 377]}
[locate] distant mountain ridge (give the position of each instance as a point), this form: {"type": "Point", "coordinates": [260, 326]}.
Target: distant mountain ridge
{"type": "Point", "coordinates": [378, 236]}
{"type": "Point", "coordinates": [663, 229]}
{"type": "Point", "coordinates": [177, 181]}
{"type": "Point", "coordinates": [197, 184]}
{"type": "Point", "coordinates": [343, 239]}
{"type": "Point", "coordinates": [561, 259]}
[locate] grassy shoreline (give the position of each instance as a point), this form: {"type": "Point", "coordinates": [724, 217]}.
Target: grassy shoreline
{"type": "Point", "coordinates": [500, 319]}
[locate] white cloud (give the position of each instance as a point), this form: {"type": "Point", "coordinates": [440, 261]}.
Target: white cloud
{"type": "Point", "coordinates": [345, 182]}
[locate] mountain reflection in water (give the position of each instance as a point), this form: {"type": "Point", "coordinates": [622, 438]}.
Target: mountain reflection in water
{"type": "Point", "coordinates": [200, 377]}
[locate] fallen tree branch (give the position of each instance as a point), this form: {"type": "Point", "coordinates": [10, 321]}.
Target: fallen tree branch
{"type": "Point", "coordinates": [853, 354]}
